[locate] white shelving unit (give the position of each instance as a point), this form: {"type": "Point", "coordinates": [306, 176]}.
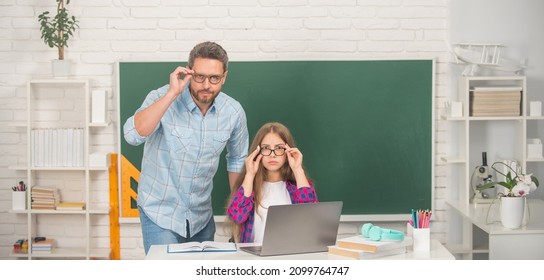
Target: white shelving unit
{"type": "Point", "coordinates": [61, 103]}
{"type": "Point", "coordinates": [501, 138]}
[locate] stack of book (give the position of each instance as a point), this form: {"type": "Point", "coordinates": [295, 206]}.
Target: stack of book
{"type": "Point", "coordinates": [358, 247]}
{"type": "Point", "coordinates": [495, 101]}
{"type": "Point", "coordinates": [44, 246]}
{"type": "Point", "coordinates": [44, 198]}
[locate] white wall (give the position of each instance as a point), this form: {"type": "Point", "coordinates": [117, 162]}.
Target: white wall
{"type": "Point", "coordinates": [249, 30]}
{"type": "Point", "coordinates": [519, 26]}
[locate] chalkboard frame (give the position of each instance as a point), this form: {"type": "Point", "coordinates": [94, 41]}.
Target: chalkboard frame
{"type": "Point", "coordinates": [400, 215]}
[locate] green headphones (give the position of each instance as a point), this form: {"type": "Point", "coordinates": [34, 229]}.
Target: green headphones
{"type": "Point", "coordinates": [377, 233]}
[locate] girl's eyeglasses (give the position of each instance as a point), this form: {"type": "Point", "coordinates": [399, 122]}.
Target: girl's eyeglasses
{"type": "Point", "coordinates": [280, 151]}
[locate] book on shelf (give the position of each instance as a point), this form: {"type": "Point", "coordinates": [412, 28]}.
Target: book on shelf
{"type": "Point", "coordinates": [496, 88]}
{"type": "Point", "coordinates": [206, 246]}
{"type": "Point", "coordinates": [45, 190]}
{"type": "Point", "coordinates": [71, 206]}
{"type": "Point", "coordinates": [47, 243]}
{"type": "Point", "coordinates": [361, 254]}
{"type": "Point", "coordinates": [43, 207]}
{"type": "Point", "coordinates": [358, 242]}
{"type": "Point", "coordinates": [57, 147]}
{"type": "Point", "coordinates": [44, 246]}
{"type": "Point", "coordinates": [44, 198]}
{"type": "Point", "coordinates": [495, 102]}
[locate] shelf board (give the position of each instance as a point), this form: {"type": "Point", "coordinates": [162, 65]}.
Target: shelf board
{"type": "Point", "coordinates": [100, 253]}
{"type": "Point", "coordinates": [535, 159]}
{"type": "Point", "coordinates": [99, 124]}
{"type": "Point", "coordinates": [455, 159]}
{"type": "Point", "coordinates": [99, 210]}
{"type": "Point", "coordinates": [529, 118]}
{"type": "Point", "coordinates": [58, 168]}
{"type": "Point", "coordinates": [98, 168]}
{"type": "Point", "coordinates": [66, 253]}
{"type": "Point", "coordinates": [48, 168]}
{"type": "Point", "coordinates": [453, 118]}
{"type": "Point", "coordinates": [513, 118]}
{"type": "Point", "coordinates": [494, 78]}
{"type": "Point", "coordinates": [481, 249]}
{"type": "Point", "coordinates": [62, 82]}
{"type": "Point", "coordinates": [18, 255]}
{"type": "Point", "coordinates": [80, 212]}
{"type": "Point", "coordinates": [72, 253]}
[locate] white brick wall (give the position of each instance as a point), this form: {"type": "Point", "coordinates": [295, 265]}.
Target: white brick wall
{"type": "Point", "coordinates": [167, 30]}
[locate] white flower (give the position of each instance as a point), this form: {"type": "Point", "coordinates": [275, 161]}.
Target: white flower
{"type": "Point", "coordinates": [526, 178]}
{"type": "Point", "coordinates": [524, 186]}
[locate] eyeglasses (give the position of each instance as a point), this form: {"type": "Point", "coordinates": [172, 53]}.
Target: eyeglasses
{"type": "Point", "coordinates": [214, 79]}
{"type": "Point", "coordinates": [279, 151]}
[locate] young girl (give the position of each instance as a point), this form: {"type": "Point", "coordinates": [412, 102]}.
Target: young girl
{"type": "Point", "coordinates": [273, 174]}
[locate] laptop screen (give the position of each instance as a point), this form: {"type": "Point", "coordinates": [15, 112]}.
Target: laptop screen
{"type": "Point", "coordinates": [301, 228]}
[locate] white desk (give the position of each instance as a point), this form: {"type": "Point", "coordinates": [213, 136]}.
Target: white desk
{"type": "Point", "coordinates": [158, 252]}
{"type": "Point", "coordinates": [526, 242]}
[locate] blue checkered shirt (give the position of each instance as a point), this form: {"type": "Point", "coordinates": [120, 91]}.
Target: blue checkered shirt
{"type": "Point", "coordinates": [181, 157]}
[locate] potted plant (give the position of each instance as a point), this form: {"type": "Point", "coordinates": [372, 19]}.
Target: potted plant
{"type": "Point", "coordinates": [55, 33]}
{"type": "Point", "coordinates": [516, 183]}
{"type": "Point", "coordinates": [516, 186]}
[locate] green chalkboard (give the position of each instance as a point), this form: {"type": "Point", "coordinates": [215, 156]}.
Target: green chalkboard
{"type": "Point", "coordinates": [364, 127]}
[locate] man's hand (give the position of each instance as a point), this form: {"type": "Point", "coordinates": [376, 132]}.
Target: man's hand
{"type": "Point", "coordinates": [179, 78]}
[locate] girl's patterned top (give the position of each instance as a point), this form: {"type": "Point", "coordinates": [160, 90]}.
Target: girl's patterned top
{"type": "Point", "coordinates": [241, 209]}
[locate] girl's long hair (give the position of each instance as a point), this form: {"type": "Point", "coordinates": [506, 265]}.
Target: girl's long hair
{"type": "Point", "coordinates": [261, 175]}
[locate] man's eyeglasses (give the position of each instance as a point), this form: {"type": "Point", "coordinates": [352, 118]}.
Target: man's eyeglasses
{"type": "Point", "coordinates": [279, 151]}
{"type": "Point", "coordinates": [214, 79]}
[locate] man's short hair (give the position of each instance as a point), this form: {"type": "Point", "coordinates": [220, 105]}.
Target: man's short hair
{"type": "Point", "coordinates": [209, 50]}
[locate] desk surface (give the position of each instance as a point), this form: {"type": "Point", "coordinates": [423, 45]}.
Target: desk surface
{"type": "Point", "coordinates": [478, 215]}
{"type": "Point", "coordinates": [158, 252]}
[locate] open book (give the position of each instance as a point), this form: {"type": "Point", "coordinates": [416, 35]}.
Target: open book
{"type": "Point", "coordinates": [206, 246]}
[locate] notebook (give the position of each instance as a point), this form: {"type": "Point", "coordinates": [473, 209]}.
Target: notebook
{"type": "Point", "coordinates": [299, 228]}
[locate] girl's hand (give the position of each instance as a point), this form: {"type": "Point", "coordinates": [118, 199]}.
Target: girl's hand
{"type": "Point", "coordinates": [294, 156]}
{"type": "Point", "coordinates": [252, 161]}
{"type": "Point", "coordinates": [177, 83]}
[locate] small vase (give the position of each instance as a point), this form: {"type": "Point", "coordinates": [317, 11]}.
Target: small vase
{"type": "Point", "coordinates": [512, 210]}
{"type": "Point", "coordinates": [61, 68]}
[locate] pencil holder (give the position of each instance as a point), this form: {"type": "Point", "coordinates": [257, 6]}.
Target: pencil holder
{"type": "Point", "coordinates": [19, 200]}
{"type": "Point", "coordinates": [421, 238]}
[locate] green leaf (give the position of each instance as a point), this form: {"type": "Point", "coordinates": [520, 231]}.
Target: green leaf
{"type": "Point", "coordinates": [58, 30]}
{"type": "Point", "coordinates": [486, 186]}
{"type": "Point", "coordinates": [535, 180]}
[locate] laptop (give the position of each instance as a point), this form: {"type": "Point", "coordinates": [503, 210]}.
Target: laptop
{"type": "Point", "coordinates": [299, 228]}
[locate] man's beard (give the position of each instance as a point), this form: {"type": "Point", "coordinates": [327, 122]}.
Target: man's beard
{"type": "Point", "coordinates": [198, 96]}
